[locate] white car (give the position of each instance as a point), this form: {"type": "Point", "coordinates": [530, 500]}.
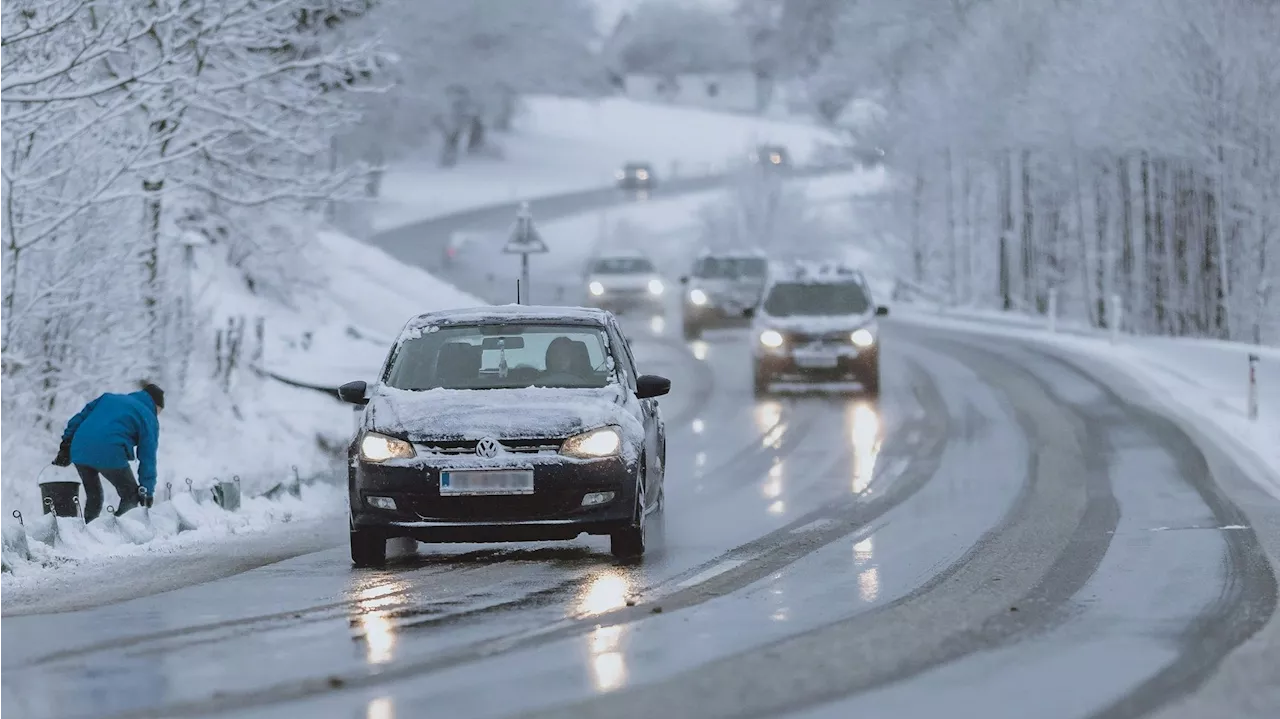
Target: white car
{"type": "Point", "coordinates": [624, 281]}
{"type": "Point", "coordinates": [817, 322]}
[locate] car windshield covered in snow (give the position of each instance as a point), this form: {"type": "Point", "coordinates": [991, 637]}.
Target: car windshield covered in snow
{"type": "Point", "coordinates": [493, 356]}
{"type": "Point", "coordinates": [730, 267]}
{"type": "Point", "coordinates": [790, 299]}
{"type": "Point", "coordinates": [622, 266]}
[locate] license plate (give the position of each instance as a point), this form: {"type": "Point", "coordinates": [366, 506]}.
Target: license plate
{"type": "Point", "coordinates": [816, 360]}
{"type": "Point", "coordinates": [472, 482]}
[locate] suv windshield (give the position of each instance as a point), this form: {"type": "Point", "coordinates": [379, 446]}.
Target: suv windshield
{"type": "Point", "coordinates": [622, 265]}
{"type": "Point", "coordinates": [730, 267]}
{"type": "Point", "coordinates": [501, 357]}
{"type": "Point", "coordinates": [787, 300]}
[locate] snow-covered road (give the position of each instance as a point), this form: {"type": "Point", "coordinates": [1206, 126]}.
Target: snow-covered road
{"type": "Point", "coordinates": [1004, 536]}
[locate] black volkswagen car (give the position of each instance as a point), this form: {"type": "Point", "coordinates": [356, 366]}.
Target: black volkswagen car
{"type": "Point", "coordinates": [510, 423]}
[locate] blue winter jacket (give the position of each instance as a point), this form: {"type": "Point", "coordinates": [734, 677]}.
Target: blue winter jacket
{"type": "Point", "coordinates": [106, 431]}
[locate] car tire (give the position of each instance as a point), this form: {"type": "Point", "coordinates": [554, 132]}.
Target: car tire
{"type": "Point", "coordinates": [692, 331]}
{"type": "Point", "coordinates": [368, 548]}
{"type": "Point", "coordinates": [760, 383]}
{"type": "Point", "coordinates": [627, 544]}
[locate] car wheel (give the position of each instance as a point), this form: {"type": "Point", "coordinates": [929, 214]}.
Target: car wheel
{"type": "Point", "coordinates": [761, 383]}
{"type": "Point", "coordinates": [368, 548]}
{"type": "Point", "coordinates": [627, 544]}
{"type": "Point", "coordinates": [692, 331]}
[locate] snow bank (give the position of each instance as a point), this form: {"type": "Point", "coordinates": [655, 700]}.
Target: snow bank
{"type": "Point", "coordinates": [1202, 382]}
{"type": "Point", "coordinates": [189, 521]}
{"type": "Point", "coordinates": [565, 145]}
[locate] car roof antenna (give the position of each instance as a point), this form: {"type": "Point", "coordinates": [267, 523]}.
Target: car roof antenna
{"type": "Point", "coordinates": [517, 291]}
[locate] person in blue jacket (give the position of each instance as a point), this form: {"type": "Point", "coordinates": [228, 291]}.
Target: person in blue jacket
{"type": "Point", "coordinates": [100, 440]}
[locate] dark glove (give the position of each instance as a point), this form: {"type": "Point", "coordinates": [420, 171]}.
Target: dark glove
{"type": "Point", "coordinates": [64, 454]}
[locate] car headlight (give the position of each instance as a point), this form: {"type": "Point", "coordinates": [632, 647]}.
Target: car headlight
{"type": "Point", "coordinates": [698, 297]}
{"type": "Point", "coordinates": [771, 339]}
{"type": "Point", "coordinates": [862, 338]}
{"type": "Point", "coordinates": [642, 175]}
{"type": "Point", "coordinates": [603, 442]}
{"type": "Point", "coordinates": [376, 447]}
{"type": "Point", "coordinates": [620, 175]}
{"type": "Point", "coordinates": [655, 287]}
{"type": "Point", "coordinates": [596, 289]}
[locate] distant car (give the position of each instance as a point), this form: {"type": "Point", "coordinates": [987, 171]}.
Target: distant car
{"type": "Point", "coordinates": [719, 287]}
{"type": "Point", "coordinates": [869, 155]}
{"type": "Point", "coordinates": [636, 176]}
{"type": "Point", "coordinates": [511, 423]}
{"type": "Point", "coordinates": [817, 322]}
{"type": "Point", "coordinates": [771, 157]}
{"type": "Point", "coordinates": [624, 281]}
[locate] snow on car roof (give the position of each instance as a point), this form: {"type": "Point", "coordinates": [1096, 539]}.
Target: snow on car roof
{"type": "Point", "coordinates": [500, 314]}
{"type": "Point", "coordinates": [817, 272]}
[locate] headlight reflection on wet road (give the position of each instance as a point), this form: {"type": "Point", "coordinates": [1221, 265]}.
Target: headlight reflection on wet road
{"type": "Point", "coordinates": [864, 434]}
{"type": "Point", "coordinates": [380, 708]}
{"type": "Point", "coordinates": [608, 665]}
{"type": "Point", "coordinates": [606, 591]}
{"type": "Point", "coordinates": [374, 620]}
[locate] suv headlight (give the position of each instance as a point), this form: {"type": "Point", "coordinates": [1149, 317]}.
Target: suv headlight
{"type": "Point", "coordinates": [596, 289]}
{"type": "Point", "coordinates": [655, 287]}
{"type": "Point", "coordinates": [771, 339]}
{"type": "Point", "coordinates": [376, 447]}
{"type": "Point", "coordinates": [698, 297]}
{"type": "Point", "coordinates": [862, 338]}
{"type": "Point", "coordinates": [603, 442]}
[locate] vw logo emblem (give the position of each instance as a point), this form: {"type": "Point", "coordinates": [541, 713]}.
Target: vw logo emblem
{"type": "Point", "coordinates": [488, 447]}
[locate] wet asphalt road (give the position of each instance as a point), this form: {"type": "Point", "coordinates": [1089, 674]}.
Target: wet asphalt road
{"type": "Point", "coordinates": [1002, 536]}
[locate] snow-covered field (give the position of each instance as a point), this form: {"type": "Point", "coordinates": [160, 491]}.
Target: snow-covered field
{"type": "Point", "coordinates": [563, 145]}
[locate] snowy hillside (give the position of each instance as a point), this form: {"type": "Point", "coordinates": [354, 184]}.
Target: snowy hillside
{"type": "Point", "coordinates": [566, 144]}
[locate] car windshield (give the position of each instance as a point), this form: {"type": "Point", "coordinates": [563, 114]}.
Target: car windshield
{"type": "Point", "coordinates": [730, 267]}
{"type": "Point", "coordinates": [622, 265]}
{"type": "Point", "coordinates": [502, 357]}
{"type": "Point", "coordinates": [636, 168]}
{"type": "Point", "coordinates": [816, 299]}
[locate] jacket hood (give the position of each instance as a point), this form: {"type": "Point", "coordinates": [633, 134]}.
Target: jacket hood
{"type": "Point", "coordinates": [527, 413]}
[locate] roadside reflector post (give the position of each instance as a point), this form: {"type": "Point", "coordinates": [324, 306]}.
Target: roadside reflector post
{"type": "Point", "coordinates": [1253, 387]}
{"type": "Point", "coordinates": [1053, 309]}
{"type": "Point", "coordinates": [1116, 318]}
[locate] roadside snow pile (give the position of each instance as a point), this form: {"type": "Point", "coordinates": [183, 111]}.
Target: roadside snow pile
{"type": "Point", "coordinates": [565, 144]}
{"type": "Point", "coordinates": [1205, 383]}
{"type": "Point", "coordinates": [190, 519]}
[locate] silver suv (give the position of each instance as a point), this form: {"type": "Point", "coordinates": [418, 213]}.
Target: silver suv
{"type": "Point", "coordinates": [720, 287]}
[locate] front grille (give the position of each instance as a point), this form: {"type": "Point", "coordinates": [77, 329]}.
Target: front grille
{"type": "Point", "coordinates": [540, 505]}
{"type": "Point", "coordinates": [514, 446]}
{"type": "Point", "coordinates": [804, 338]}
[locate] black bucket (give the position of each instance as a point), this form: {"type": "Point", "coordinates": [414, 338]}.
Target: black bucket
{"type": "Point", "coordinates": [61, 498]}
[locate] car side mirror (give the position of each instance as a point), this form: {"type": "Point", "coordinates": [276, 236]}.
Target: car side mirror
{"type": "Point", "coordinates": [749, 312]}
{"type": "Point", "coordinates": [882, 311]}
{"type": "Point", "coordinates": [354, 392]}
{"type": "Point", "coordinates": [651, 385]}
{"type": "Point", "coordinates": [684, 280]}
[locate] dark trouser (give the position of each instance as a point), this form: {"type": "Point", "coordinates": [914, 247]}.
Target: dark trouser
{"type": "Point", "coordinates": [122, 479]}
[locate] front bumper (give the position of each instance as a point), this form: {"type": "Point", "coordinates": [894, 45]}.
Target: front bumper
{"type": "Point", "coordinates": [554, 510]}
{"type": "Point", "coordinates": [713, 315]}
{"type": "Point", "coordinates": [849, 362]}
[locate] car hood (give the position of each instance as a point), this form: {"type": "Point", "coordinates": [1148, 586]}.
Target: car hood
{"type": "Point", "coordinates": [629, 281]}
{"type": "Point", "coordinates": [743, 289]}
{"type": "Point", "coordinates": [527, 413]}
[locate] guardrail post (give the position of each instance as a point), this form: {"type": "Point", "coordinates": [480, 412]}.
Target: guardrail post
{"type": "Point", "coordinates": [1253, 387]}
{"type": "Point", "coordinates": [1053, 309]}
